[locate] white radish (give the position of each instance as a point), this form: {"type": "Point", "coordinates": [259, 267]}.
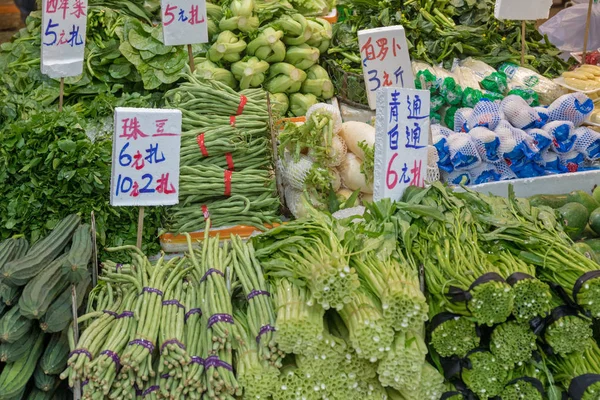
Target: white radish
{"type": "Point", "coordinates": [354, 132]}
{"type": "Point", "coordinates": [366, 198]}
{"type": "Point", "coordinates": [344, 194]}
{"type": "Point", "coordinates": [351, 174]}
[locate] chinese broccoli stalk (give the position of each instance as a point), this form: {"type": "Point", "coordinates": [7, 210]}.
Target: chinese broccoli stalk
{"type": "Point", "coordinates": [452, 334]}
{"type": "Point", "coordinates": [250, 72]}
{"type": "Point", "coordinates": [208, 70]}
{"type": "Point", "coordinates": [261, 316]}
{"type": "Point", "coordinates": [455, 266]}
{"type": "Point", "coordinates": [268, 46]}
{"type": "Point", "coordinates": [486, 375]}
{"type": "Point", "coordinates": [257, 377]}
{"type": "Point", "coordinates": [321, 34]}
{"type": "Point", "coordinates": [318, 82]}
{"type": "Point", "coordinates": [302, 56]}
{"type": "Point", "coordinates": [295, 28]}
{"type": "Point", "coordinates": [568, 371]}
{"type": "Point", "coordinates": [512, 342]}
{"type": "Point", "coordinates": [280, 104]}
{"type": "Point", "coordinates": [300, 103]}
{"type": "Point", "coordinates": [566, 329]}
{"type": "Point", "coordinates": [309, 250]}
{"type": "Point", "coordinates": [239, 16]}
{"type": "Point", "coordinates": [228, 48]}
{"type": "Point", "coordinates": [401, 367]}
{"type": "Point", "coordinates": [284, 78]}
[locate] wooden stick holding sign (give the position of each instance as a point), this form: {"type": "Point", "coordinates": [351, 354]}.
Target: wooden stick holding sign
{"type": "Point", "coordinates": [191, 56]}
{"type": "Point", "coordinates": [64, 27]}
{"type": "Point", "coordinates": [145, 162]}
{"type": "Point", "coordinates": [587, 32]}
{"type": "Point", "coordinates": [523, 11]}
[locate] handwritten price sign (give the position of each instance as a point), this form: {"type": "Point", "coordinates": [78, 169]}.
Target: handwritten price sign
{"type": "Point", "coordinates": [63, 37]}
{"type": "Point", "coordinates": [184, 22]}
{"type": "Point", "coordinates": [385, 60]}
{"type": "Point", "coordinates": [145, 167]}
{"type": "Point", "coordinates": [402, 135]}
{"type": "Point", "coordinates": [523, 10]}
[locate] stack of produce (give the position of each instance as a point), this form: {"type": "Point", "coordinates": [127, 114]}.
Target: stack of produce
{"type": "Point", "coordinates": [257, 43]}
{"type": "Point", "coordinates": [510, 139]}
{"type": "Point", "coordinates": [226, 161]}
{"type": "Point", "coordinates": [36, 307]}
{"type": "Point", "coordinates": [585, 78]}
{"type": "Point", "coordinates": [437, 32]}
{"type": "Point", "coordinates": [328, 161]}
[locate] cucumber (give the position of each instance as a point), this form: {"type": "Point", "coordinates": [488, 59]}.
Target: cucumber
{"type": "Point", "coordinates": [583, 198]}
{"type": "Point", "coordinates": [59, 313]}
{"type": "Point", "coordinates": [14, 326]}
{"type": "Point", "coordinates": [595, 221]}
{"type": "Point", "coordinates": [548, 200]}
{"type": "Point", "coordinates": [41, 291]}
{"type": "Point", "coordinates": [56, 354]}
{"type": "Point", "coordinates": [11, 352]}
{"type": "Point", "coordinates": [76, 268]}
{"type": "Point", "coordinates": [19, 272]}
{"type": "Point", "coordinates": [14, 377]}
{"type": "Point", "coordinates": [574, 218]}
{"type": "Point", "coordinates": [43, 381]}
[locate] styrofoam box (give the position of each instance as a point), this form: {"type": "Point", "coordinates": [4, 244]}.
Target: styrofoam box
{"type": "Point", "coordinates": [552, 184]}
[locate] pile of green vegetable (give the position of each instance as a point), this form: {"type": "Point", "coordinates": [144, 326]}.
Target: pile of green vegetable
{"type": "Point", "coordinates": [36, 308]}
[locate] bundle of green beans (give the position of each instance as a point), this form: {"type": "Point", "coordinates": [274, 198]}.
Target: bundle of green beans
{"type": "Point", "coordinates": [194, 379]}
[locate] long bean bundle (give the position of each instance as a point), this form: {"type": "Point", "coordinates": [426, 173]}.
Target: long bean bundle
{"type": "Point", "coordinates": [194, 379]}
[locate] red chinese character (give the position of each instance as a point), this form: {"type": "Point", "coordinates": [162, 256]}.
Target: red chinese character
{"type": "Point", "coordinates": [135, 190]}
{"type": "Point", "coordinates": [64, 6]}
{"type": "Point", "coordinates": [131, 129]}
{"type": "Point", "coordinates": [395, 47]}
{"type": "Point", "coordinates": [416, 173]}
{"type": "Point", "coordinates": [386, 79]}
{"type": "Point", "coordinates": [138, 162]}
{"type": "Point", "coordinates": [160, 126]}
{"type": "Point", "coordinates": [63, 39]}
{"type": "Point", "coordinates": [164, 186]}
{"type": "Point", "coordinates": [369, 50]}
{"type": "Point", "coordinates": [51, 6]}
{"type": "Point", "coordinates": [169, 17]}
{"type": "Point", "coordinates": [79, 9]}
{"type": "Point", "coordinates": [194, 16]}
{"type": "Point", "coordinates": [383, 48]}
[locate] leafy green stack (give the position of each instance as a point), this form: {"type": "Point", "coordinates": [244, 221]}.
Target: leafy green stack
{"type": "Point", "coordinates": [226, 164]}
{"type": "Point", "coordinates": [36, 307]}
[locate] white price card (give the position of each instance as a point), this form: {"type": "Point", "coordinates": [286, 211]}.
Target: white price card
{"type": "Point", "coordinates": [385, 60]}
{"type": "Point", "coordinates": [523, 10]}
{"type": "Point", "coordinates": [64, 25]}
{"type": "Point", "coordinates": [184, 22]}
{"type": "Point", "coordinates": [401, 139]}
{"type": "Point", "coordinates": [145, 161]}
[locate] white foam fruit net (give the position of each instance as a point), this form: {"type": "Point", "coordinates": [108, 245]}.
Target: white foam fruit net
{"type": "Point", "coordinates": [461, 118]}
{"type": "Point", "coordinates": [457, 177]}
{"type": "Point", "coordinates": [504, 170]}
{"type": "Point", "coordinates": [573, 107]}
{"type": "Point", "coordinates": [513, 141]}
{"type": "Point", "coordinates": [550, 160]}
{"type": "Point", "coordinates": [484, 173]}
{"type": "Point", "coordinates": [463, 153]}
{"type": "Point", "coordinates": [486, 114]}
{"type": "Point", "coordinates": [333, 111]}
{"type": "Point", "coordinates": [486, 142]}
{"type": "Point", "coordinates": [587, 142]}
{"type": "Point", "coordinates": [541, 138]}
{"type": "Point", "coordinates": [294, 201]}
{"type": "Point", "coordinates": [439, 130]}
{"type": "Point", "coordinates": [563, 139]}
{"type": "Point", "coordinates": [339, 149]}
{"type": "Point", "coordinates": [294, 172]}
{"type": "Point", "coordinates": [433, 171]}
{"type": "Point", "coordinates": [519, 113]}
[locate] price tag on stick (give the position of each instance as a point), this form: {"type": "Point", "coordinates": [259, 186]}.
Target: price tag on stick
{"type": "Point", "coordinates": [520, 10]}
{"type": "Point", "coordinates": [385, 60]}
{"type": "Point", "coordinates": [401, 139]}
{"type": "Point", "coordinates": [145, 165]}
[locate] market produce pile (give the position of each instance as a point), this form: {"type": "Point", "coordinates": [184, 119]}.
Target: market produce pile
{"type": "Point", "coordinates": [438, 32]}
{"type": "Point", "coordinates": [35, 308]}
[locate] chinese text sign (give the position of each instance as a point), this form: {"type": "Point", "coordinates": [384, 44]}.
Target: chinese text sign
{"type": "Point", "coordinates": [184, 22]}
{"type": "Point", "coordinates": [145, 165]}
{"type": "Point", "coordinates": [63, 37]}
{"type": "Point", "coordinates": [385, 60]}
{"type": "Point", "coordinates": [401, 139]}
{"type": "Point", "coordinates": [523, 10]}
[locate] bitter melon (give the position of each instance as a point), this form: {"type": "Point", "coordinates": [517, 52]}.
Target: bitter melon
{"type": "Point", "coordinates": [14, 377]}
{"type": "Point", "coordinates": [76, 267]}
{"type": "Point", "coordinates": [13, 326]}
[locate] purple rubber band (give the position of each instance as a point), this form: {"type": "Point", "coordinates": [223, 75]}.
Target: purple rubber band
{"type": "Point", "coordinates": [211, 271]}
{"type": "Point", "coordinates": [152, 290]}
{"type": "Point", "coordinates": [173, 303]}
{"type": "Point", "coordinates": [138, 391]}
{"type": "Point", "coordinates": [213, 361]}
{"type": "Point", "coordinates": [144, 343]}
{"type": "Point", "coordinates": [84, 383]}
{"type": "Point", "coordinates": [125, 314]}
{"type": "Point", "coordinates": [197, 360]}
{"type": "Point", "coordinates": [255, 293]}
{"type": "Point", "coordinates": [263, 330]}
{"type": "Point", "coordinates": [118, 266]}
{"type": "Point", "coordinates": [165, 376]}
{"type": "Point", "coordinates": [114, 356]}
{"type": "Point", "coordinates": [192, 312]}
{"type": "Point", "coordinates": [172, 341]}
{"type": "Point", "coordinates": [114, 314]}
{"type": "Point", "coordinates": [219, 318]}
{"type": "Point", "coordinates": [150, 390]}
{"type": "Point", "coordinates": [81, 351]}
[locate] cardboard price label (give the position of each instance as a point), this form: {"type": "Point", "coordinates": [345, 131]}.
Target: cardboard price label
{"type": "Point", "coordinates": [385, 60]}
{"type": "Point", "coordinates": [145, 162]}
{"type": "Point", "coordinates": [523, 10]}
{"type": "Point", "coordinates": [64, 24]}
{"type": "Point", "coordinates": [184, 22]}
{"type": "Point", "coordinates": [401, 139]}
